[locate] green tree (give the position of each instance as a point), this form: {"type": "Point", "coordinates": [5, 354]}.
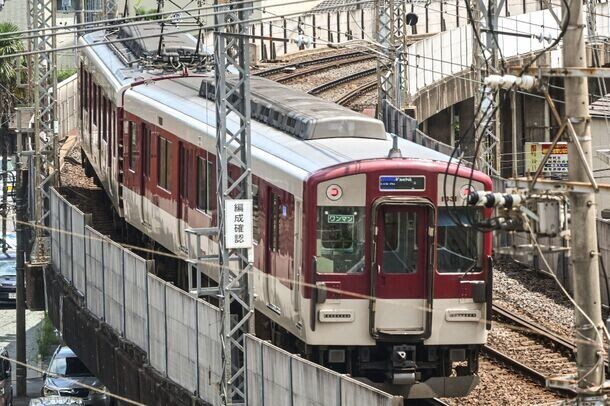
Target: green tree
{"type": "Point", "coordinates": [10, 43]}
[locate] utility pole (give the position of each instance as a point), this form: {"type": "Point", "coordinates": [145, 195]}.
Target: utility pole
{"type": "Point", "coordinates": [485, 20]}
{"type": "Point", "coordinates": [584, 254]}
{"type": "Point", "coordinates": [391, 35]}
{"type": "Point", "coordinates": [233, 149]}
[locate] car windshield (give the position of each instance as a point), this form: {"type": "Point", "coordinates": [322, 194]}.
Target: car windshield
{"type": "Point", "coordinates": [7, 268]}
{"type": "Point", "coordinates": [69, 366]}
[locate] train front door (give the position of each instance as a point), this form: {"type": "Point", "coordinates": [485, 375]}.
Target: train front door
{"type": "Point", "coordinates": [400, 280]}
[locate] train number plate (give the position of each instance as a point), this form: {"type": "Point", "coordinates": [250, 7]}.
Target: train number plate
{"type": "Point", "coordinates": [391, 183]}
{"type": "Point", "coordinates": [12, 296]}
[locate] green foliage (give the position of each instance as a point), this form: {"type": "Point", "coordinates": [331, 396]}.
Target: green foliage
{"type": "Point", "coordinates": [9, 44]}
{"type": "Point", "coordinates": [47, 337]}
{"type": "Point", "coordinates": [65, 74]}
{"type": "Point", "coordinates": [141, 11]}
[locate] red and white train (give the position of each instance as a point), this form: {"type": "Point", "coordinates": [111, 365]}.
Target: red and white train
{"type": "Point", "coordinates": [408, 304]}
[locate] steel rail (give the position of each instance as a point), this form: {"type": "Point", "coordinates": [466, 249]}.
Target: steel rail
{"type": "Point", "coordinates": [313, 62]}
{"type": "Point", "coordinates": [365, 88]}
{"type": "Point", "coordinates": [539, 377]}
{"type": "Point", "coordinates": [320, 68]}
{"type": "Point", "coordinates": [338, 82]}
{"type": "Point", "coordinates": [534, 327]}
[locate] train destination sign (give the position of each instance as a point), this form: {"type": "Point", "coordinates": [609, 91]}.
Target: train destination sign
{"type": "Point", "coordinates": [238, 223]}
{"type": "Point", "coordinates": [402, 183]}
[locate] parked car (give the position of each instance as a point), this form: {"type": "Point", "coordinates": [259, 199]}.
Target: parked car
{"type": "Point", "coordinates": [6, 387]}
{"type": "Point", "coordinates": [66, 376]}
{"type": "Point", "coordinates": [8, 271]}
{"type": "Point", "coordinates": [56, 401]}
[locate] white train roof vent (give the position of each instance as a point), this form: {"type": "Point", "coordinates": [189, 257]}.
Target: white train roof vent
{"type": "Point", "coordinates": [302, 115]}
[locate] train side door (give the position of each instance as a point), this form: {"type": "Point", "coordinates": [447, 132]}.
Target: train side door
{"type": "Point", "coordinates": [400, 287]}
{"type": "Point", "coordinates": [273, 247]}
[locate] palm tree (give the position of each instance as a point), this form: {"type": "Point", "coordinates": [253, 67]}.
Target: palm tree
{"type": "Point", "coordinates": [10, 43]}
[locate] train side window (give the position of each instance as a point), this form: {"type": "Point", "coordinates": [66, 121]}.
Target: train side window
{"type": "Point", "coordinates": [105, 118]}
{"type": "Point", "coordinates": [203, 184]}
{"type": "Point", "coordinates": [274, 226]}
{"type": "Point", "coordinates": [164, 159]}
{"type": "Point", "coordinates": [183, 171]}
{"type": "Point", "coordinates": [94, 104]}
{"type": "Point", "coordinates": [146, 150]}
{"type": "Point", "coordinates": [133, 142]}
{"type": "Point", "coordinates": [256, 231]}
{"type": "Point", "coordinates": [113, 129]}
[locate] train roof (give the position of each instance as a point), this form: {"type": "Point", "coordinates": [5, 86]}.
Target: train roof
{"type": "Point", "coordinates": [300, 114]}
{"type": "Point", "coordinates": [193, 117]}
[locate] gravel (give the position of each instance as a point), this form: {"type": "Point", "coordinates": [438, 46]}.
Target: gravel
{"type": "Point", "coordinates": [534, 296]}
{"type": "Point", "coordinates": [501, 386]}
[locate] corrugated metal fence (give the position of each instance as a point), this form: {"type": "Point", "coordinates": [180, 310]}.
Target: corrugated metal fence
{"type": "Point", "coordinates": [67, 105]}
{"type": "Point", "coordinates": [399, 123]}
{"type": "Point", "coordinates": [179, 333]}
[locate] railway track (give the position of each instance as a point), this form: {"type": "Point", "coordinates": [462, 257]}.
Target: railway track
{"type": "Point", "coordinates": [310, 62]}
{"type": "Point", "coordinates": [529, 347]}
{"type": "Point", "coordinates": [315, 68]}
{"type": "Point", "coordinates": [341, 81]}
{"type": "Point", "coordinates": [359, 91]}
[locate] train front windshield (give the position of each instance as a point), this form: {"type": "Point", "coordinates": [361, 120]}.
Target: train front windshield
{"type": "Point", "coordinates": [459, 245]}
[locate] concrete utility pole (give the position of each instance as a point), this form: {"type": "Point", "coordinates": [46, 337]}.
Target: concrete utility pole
{"type": "Point", "coordinates": [584, 253]}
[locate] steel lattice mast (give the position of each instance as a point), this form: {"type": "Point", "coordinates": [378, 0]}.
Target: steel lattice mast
{"type": "Point", "coordinates": [485, 61]}
{"type": "Point", "coordinates": [232, 97]}
{"type": "Point", "coordinates": [391, 35]}
{"type": "Point", "coordinates": [43, 86]}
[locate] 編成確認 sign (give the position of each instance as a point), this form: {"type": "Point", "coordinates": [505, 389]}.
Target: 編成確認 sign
{"type": "Point", "coordinates": [238, 223]}
{"type": "Point", "coordinates": [557, 164]}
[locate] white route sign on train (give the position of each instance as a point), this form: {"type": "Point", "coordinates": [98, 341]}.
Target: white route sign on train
{"type": "Point", "coordinates": [238, 223]}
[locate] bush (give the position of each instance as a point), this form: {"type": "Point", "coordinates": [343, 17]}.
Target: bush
{"type": "Point", "coordinates": [47, 337]}
{"type": "Point", "coordinates": [65, 74]}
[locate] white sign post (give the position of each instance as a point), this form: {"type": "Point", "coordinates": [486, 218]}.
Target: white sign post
{"type": "Point", "coordinates": [238, 223]}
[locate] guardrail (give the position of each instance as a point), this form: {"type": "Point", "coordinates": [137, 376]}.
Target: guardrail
{"type": "Point", "coordinates": [179, 333]}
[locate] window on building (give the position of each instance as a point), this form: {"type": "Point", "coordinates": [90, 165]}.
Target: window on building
{"type": "Point", "coordinates": [133, 145]}
{"type": "Point", "coordinates": [164, 159]}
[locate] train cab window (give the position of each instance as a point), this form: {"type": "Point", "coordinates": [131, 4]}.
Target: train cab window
{"type": "Point", "coordinates": [145, 150]}
{"type": "Point", "coordinates": [204, 184]}
{"type": "Point", "coordinates": [459, 248]}
{"type": "Point", "coordinates": [164, 163]}
{"type": "Point", "coordinates": [400, 250]}
{"type": "Point", "coordinates": [133, 145]}
{"type": "Point", "coordinates": [340, 239]}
